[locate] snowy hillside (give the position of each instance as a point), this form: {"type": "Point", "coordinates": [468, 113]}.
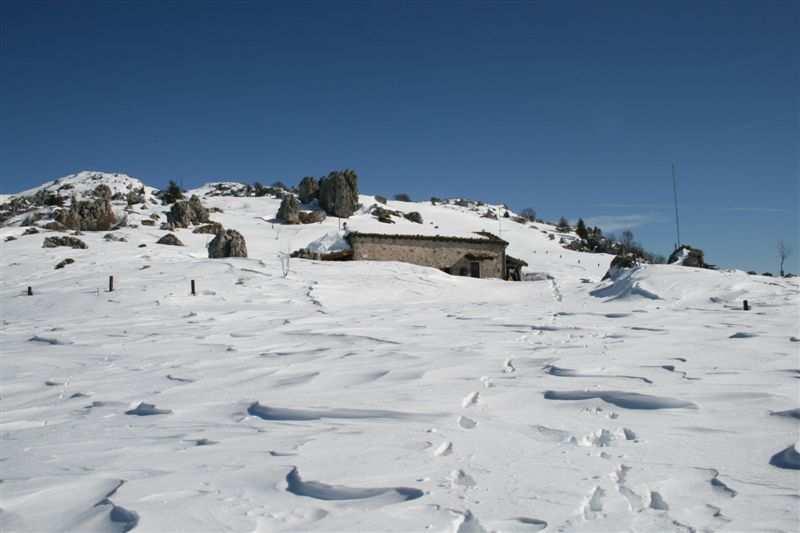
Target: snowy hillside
{"type": "Point", "coordinates": [360, 396]}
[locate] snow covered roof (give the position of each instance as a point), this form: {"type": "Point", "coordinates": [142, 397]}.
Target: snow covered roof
{"type": "Point", "coordinates": [485, 236]}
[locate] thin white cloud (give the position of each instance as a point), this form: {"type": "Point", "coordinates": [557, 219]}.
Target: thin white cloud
{"type": "Point", "coordinates": [611, 223]}
{"type": "Point", "coordinates": [755, 209]}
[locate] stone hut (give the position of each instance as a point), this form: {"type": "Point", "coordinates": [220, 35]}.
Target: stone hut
{"type": "Point", "coordinates": [483, 256]}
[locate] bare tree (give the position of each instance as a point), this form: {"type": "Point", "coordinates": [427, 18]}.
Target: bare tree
{"type": "Point", "coordinates": [783, 252]}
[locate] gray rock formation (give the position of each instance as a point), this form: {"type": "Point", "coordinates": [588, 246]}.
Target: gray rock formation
{"type": "Point", "coordinates": [289, 211]}
{"type": "Point", "coordinates": [170, 239]}
{"type": "Point", "coordinates": [308, 189]}
{"type": "Point", "coordinates": [186, 213]}
{"type": "Point", "coordinates": [89, 215]}
{"type": "Point", "coordinates": [30, 231]}
{"type": "Point", "coordinates": [688, 256]}
{"type": "Point", "coordinates": [414, 216]}
{"type": "Point", "coordinates": [71, 242]}
{"type": "Point", "coordinates": [228, 243]}
{"type": "Point", "coordinates": [338, 193]}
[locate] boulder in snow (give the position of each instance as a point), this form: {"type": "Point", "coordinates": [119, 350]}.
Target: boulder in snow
{"type": "Point", "coordinates": [685, 255]}
{"type": "Point", "coordinates": [71, 242]}
{"type": "Point", "coordinates": [228, 243]}
{"type": "Point", "coordinates": [186, 213]}
{"type": "Point", "coordinates": [170, 239]}
{"type": "Point", "coordinates": [289, 211]}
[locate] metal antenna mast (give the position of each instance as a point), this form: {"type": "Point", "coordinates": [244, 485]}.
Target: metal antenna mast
{"type": "Point", "coordinates": [675, 194]}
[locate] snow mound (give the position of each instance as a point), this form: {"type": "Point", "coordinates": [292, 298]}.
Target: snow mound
{"type": "Point", "coordinates": [333, 241]}
{"type": "Point", "coordinates": [626, 285]}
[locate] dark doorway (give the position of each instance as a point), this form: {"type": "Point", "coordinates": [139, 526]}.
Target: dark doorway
{"type": "Point", "coordinates": [475, 269]}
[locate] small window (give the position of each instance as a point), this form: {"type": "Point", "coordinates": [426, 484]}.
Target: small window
{"type": "Point", "coordinates": [475, 269]}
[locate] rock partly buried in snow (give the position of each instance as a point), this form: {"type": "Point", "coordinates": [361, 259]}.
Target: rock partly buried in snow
{"type": "Point", "coordinates": [308, 189]}
{"type": "Point", "coordinates": [228, 243]}
{"type": "Point", "coordinates": [170, 239]}
{"type": "Point", "coordinates": [414, 216]}
{"type": "Point", "coordinates": [71, 242]}
{"type": "Point", "coordinates": [186, 213]}
{"type": "Point", "coordinates": [114, 238]}
{"type": "Point", "coordinates": [65, 262]}
{"type": "Point", "coordinates": [620, 264]}
{"type": "Point", "coordinates": [688, 256]}
{"type": "Point", "coordinates": [289, 211]}
{"type": "Point", "coordinates": [312, 217]}
{"type": "Point", "coordinates": [30, 231]}
{"type": "Point", "coordinates": [788, 458]}
{"type": "Point", "coordinates": [147, 409]}
{"type": "Point", "coordinates": [212, 228]}
{"type": "Point", "coordinates": [338, 193]}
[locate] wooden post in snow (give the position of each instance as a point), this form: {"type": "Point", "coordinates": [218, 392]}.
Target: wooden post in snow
{"type": "Point", "coordinates": [30, 291]}
{"type": "Point", "coordinates": [193, 289]}
{"type": "Point", "coordinates": [746, 305]}
{"type": "Point", "coordinates": [110, 283]}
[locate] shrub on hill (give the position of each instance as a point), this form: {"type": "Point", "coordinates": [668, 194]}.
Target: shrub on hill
{"type": "Point", "coordinates": [402, 197]}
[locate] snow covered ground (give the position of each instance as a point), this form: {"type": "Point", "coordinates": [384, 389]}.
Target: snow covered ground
{"type": "Point", "coordinates": [364, 396]}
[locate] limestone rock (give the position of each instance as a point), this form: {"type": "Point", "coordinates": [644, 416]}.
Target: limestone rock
{"type": "Point", "coordinates": [688, 256]}
{"type": "Point", "coordinates": [338, 193]}
{"type": "Point", "coordinates": [89, 215]}
{"type": "Point", "coordinates": [228, 243]}
{"type": "Point", "coordinates": [170, 239]}
{"type": "Point", "coordinates": [308, 189]}
{"type": "Point", "coordinates": [186, 213]}
{"type": "Point", "coordinates": [289, 211]}
{"type": "Point", "coordinates": [71, 242]}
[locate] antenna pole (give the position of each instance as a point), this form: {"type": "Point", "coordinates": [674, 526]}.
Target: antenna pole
{"type": "Point", "coordinates": [675, 194]}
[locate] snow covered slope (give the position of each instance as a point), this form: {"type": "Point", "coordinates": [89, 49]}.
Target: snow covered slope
{"type": "Point", "coordinates": [365, 396]}
{"type": "Point", "coordinates": [84, 182]}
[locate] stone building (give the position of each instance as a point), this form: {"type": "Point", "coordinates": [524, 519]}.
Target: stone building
{"type": "Point", "coordinates": [483, 256]}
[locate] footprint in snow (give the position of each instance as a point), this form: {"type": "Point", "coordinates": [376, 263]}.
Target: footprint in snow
{"type": "Point", "coordinates": [446, 448]}
{"type": "Point", "coordinates": [466, 422]}
{"type": "Point", "coordinates": [470, 399]}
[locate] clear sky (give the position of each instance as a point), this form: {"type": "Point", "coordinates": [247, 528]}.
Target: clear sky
{"type": "Point", "coordinates": [572, 108]}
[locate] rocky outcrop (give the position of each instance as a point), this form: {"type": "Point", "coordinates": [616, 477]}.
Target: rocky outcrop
{"type": "Point", "coordinates": [30, 231]}
{"type": "Point", "coordinates": [338, 193]}
{"type": "Point", "coordinates": [212, 228]}
{"type": "Point", "coordinates": [186, 213]}
{"type": "Point", "coordinates": [89, 215]}
{"type": "Point", "coordinates": [308, 189]}
{"type": "Point", "coordinates": [289, 211]}
{"type": "Point", "coordinates": [228, 243]}
{"type": "Point", "coordinates": [71, 242]}
{"type": "Point", "coordinates": [170, 239]}
{"type": "Point", "coordinates": [312, 217]}
{"type": "Point", "coordinates": [414, 216]}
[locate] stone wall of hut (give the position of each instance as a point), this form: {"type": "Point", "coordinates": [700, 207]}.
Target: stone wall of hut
{"type": "Point", "coordinates": [451, 255]}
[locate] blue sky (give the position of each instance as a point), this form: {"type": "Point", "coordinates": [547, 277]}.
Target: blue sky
{"type": "Point", "coordinates": [573, 108]}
